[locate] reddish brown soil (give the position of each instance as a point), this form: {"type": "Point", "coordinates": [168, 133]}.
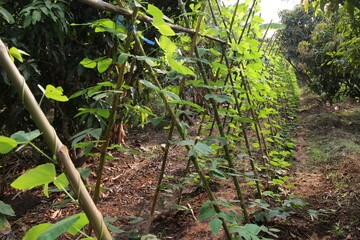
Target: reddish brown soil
{"type": "Point", "coordinates": [130, 180]}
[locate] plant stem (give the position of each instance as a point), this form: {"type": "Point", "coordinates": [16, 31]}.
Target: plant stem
{"type": "Point", "coordinates": [112, 117]}
{"type": "Point", "coordinates": [42, 153]}
{"type": "Point", "coordinates": [161, 176]}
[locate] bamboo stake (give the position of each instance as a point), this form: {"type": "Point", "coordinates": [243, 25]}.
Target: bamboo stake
{"type": "Point", "coordinates": [55, 145]}
{"type": "Point", "coordinates": [247, 21]}
{"type": "Point", "coordinates": [228, 34]}
{"type": "Point", "coordinates": [259, 135]}
{"type": "Point", "coordinates": [266, 32]}
{"type": "Point", "coordinates": [222, 134]}
{"type": "Point", "coordinates": [181, 132]}
{"type": "Point", "coordinates": [238, 105]}
{"type": "Point", "coordinates": [111, 119]}
{"type": "Point", "coordinates": [225, 147]}
{"type": "Point", "coordinates": [167, 147]}
{"type": "Point", "coordinates": [192, 49]}
{"type": "Point", "coordinates": [160, 178]}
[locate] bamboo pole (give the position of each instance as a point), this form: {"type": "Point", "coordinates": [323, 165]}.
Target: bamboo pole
{"type": "Point", "coordinates": [182, 134]}
{"type": "Point", "coordinates": [237, 103]}
{"type": "Point", "coordinates": [54, 144]}
{"type": "Point", "coordinates": [170, 135]}
{"type": "Point", "coordinates": [222, 134]}
{"type": "Point", "coordinates": [112, 117]}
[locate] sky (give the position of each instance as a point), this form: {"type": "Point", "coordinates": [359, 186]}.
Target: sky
{"type": "Point", "coordinates": [270, 8]}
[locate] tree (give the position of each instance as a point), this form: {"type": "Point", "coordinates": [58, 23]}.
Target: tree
{"type": "Point", "coordinates": [323, 50]}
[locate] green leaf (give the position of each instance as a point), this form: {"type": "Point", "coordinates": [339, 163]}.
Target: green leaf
{"type": "Point", "coordinates": [200, 149]}
{"type": "Point", "coordinates": [154, 11]}
{"type": "Point", "coordinates": [40, 175]}
{"type": "Point", "coordinates": [217, 173]}
{"type": "Point", "coordinates": [78, 93]}
{"type": "Point", "coordinates": [36, 17]}
{"type": "Point", "coordinates": [58, 228]}
{"type": "Point", "coordinates": [277, 181]}
{"type": "Point", "coordinates": [149, 237]}
{"type": "Point", "coordinates": [252, 229]}
{"type": "Point", "coordinates": [228, 216]}
{"type": "Point", "coordinates": [141, 109]}
{"type": "Point", "coordinates": [202, 51]}
{"type": "Point", "coordinates": [163, 28]}
{"type": "Point", "coordinates": [6, 209]}
{"type": "Point", "coordinates": [150, 85]}
{"type": "Point", "coordinates": [256, 145]}
{"type": "Point", "coordinates": [135, 219]}
{"type": "Point", "coordinates": [88, 63]}
{"type": "Point", "coordinates": [84, 172]}
{"type": "Point", "coordinates": [27, 21]}
{"type": "Point", "coordinates": [191, 104]}
{"type": "Point", "coordinates": [167, 45]}
{"type": "Point", "coordinates": [46, 190]}
{"type": "Point", "coordinates": [34, 232]}
{"type": "Point", "coordinates": [6, 15]}
{"type": "Point", "coordinates": [61, 181]}
{"type": "Point", "coordinates": [103, 64]}
{"type": "Point", "coordinates": [215, 225]}
{"type": "Point", "coordinates": [123, 57]}
{"type": "Point", "coordinates": [172, 96]}
{"type": "Point", "coordinates": [16, 54]}
{"type": "Point", "coordinates": [178, 67]}
{"type": "Point", "coordinates": [313, 213]}
{"type": "Point", "coordinates": [185, 142]}
{"type": "Point", "coordinates": [23, 138]}
{"type": "Point", "coordinates": [148, 60]}
{"type": "Point", "coordinates": [206, 211]}
{"type": "Point", "coordinates": [219, 98]}
{"type": "Point", "coordinates": [7, 144]}
{"type": "Point", "coordinates": [156, 121]}
{"type": "Point", "coordinates": [105, 113]}
{"type": "Point", "coordinates": [111, 227]}
{"type": "Point", "coordinates": [158, 21]}
{"type": "Point", "coordinates": [104, 25]}
{"type": "Point", "coordinates": [217, 65]}
{"type": "Point", "coordinates": [96, 133]}
{"type": "Point", "coordinates": [79, 224]}
{"type": "Point", "coordinates": [5, 226]}
{"type": "Point", "coordinates": [55, 93]}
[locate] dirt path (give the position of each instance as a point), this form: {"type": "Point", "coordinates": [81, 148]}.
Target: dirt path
{"type": "Point", "coordinates": [326, 175]}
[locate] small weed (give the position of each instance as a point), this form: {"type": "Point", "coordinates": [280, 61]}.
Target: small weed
{"type": "Point", "coordinates": [332, 147]}
{"type": "Point", "coordinates": [340, 181]}
{"type": "Point", "coordinates": [332, 136]}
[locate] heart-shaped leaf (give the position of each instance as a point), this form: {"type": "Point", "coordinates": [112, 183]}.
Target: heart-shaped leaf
{"type": "Point", "coordinates": [7, 144]}
{"type": "Point", "coordinates": [42, 174]}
